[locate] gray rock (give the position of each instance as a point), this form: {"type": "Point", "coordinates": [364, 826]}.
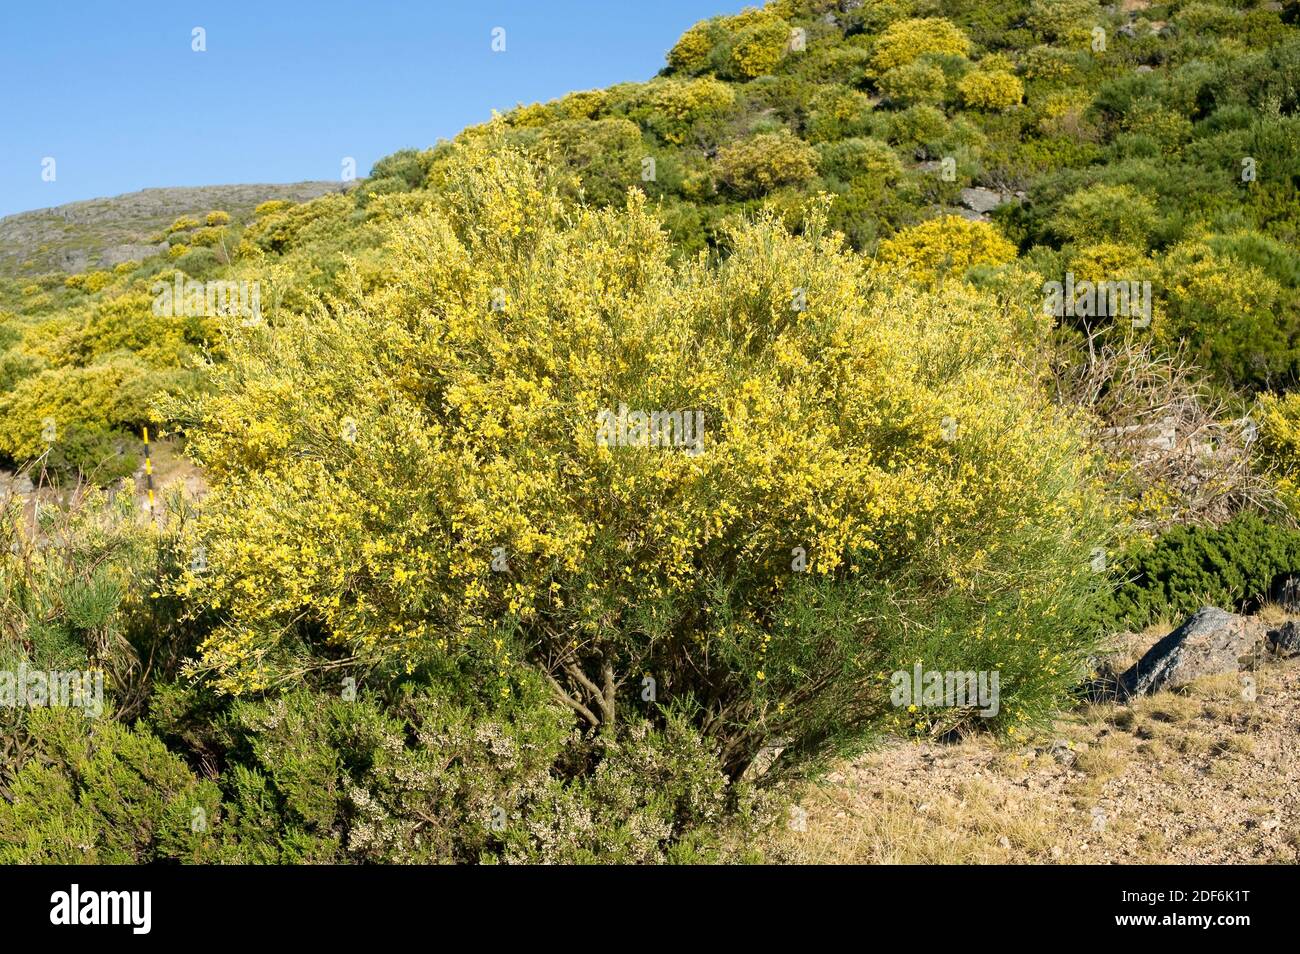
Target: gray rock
{"type": "Point", "coordinates": [118, 254]}
{"type": "Point", "coordinates": [1061, 751]}
{"type": "Point", "coordinates": [73, 260]}
{"type": "Point", "coordinates": [1212, 641]}
{"type": "Point", "coordinates": [1285, 640]}
{"type": "Point", "coordinates": [980, 199]}
{"type": "Point", "coordinates": [18, 484]}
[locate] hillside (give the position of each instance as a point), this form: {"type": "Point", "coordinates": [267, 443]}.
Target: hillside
{"type": "Point", "coordinates": [842, 395]}
{"type": "Point", "coordinates": [101, 233]}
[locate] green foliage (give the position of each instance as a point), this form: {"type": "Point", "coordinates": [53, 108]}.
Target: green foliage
{"type": "Point", "coordinates": [852, 161]}
{"type": "Point", "coordinates": [1119, 213]}
{"type": "Point", "coordinates": [310, 778]}
{"type": "Point", "coordinates": [836, 113]}
{"type": "Point", "coordinates": [1066, 21]}
{"type": "Point", "coordinates": [1234, 319]}
{"type": "Point", "coordinates": [1234, 566]}
{"type": "Point", "coordinates": [114, 796]}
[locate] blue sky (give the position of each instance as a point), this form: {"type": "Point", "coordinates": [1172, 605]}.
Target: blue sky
{"type": "Point", "coordinates": [115, 94]}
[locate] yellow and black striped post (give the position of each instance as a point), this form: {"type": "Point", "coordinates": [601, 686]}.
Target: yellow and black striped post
{"type": "Point", "coordinates": [148, 469]}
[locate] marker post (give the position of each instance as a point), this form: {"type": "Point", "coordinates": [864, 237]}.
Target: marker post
{"type": "Point", "coordinates": [148, 469]}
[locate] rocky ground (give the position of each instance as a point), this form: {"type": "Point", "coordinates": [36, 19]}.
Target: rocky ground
{"type": "Point", "coordinates": [1208, 773]}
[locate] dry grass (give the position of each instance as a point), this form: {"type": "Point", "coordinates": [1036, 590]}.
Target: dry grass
{"type": "Point", "coordinates": [1201, 776]}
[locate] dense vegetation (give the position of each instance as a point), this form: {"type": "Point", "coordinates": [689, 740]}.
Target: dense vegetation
{"type": "Point", "coordinates": [425, 612]}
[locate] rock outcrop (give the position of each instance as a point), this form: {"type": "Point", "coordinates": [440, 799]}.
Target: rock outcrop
{"type": "Point", "coordinates": [1211, 642]}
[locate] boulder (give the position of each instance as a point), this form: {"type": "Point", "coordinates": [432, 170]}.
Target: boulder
{"type": "Point", "coordinates": [980, 199]}
{"type": "Point", "coordinates": [1211, 642]}
{"type": "Point", "coordinates": [1285, 640]}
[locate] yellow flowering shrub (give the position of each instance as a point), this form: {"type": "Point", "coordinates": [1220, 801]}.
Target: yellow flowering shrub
{"type": "Point", "coordinates": [583, 104]}
{"type": "Point", "coordinates": [89, 282]}
{"type": "Point", "coordinates": [672, 107]}
{"type": "Point", "coordinates": [942, 247]}
{"type": "Point", "coordinates": [50, 408]}
{"type": "Point", "coordinates": [271, 206]}
{"type": "Point", "coordinates": [532, 115]}
{"type": "Point", "coordinates": [427, 468]}
{"type": "Point", "coordinates": [907, 40]}
{"type": "Point", "coordinates": [690, 54]}
{"type": "Point", "coordinates": [759, 47]}
{"type": "Point", "coordinates": [1277, 420]}
{"type": "Point", "coordinates": [1068, 22]}
{"type": "Point", "coordinates": [991, 89]}
{"type": "Point", "coordinates": [1104, 261]}
{"type": "Point", "coordinates": [751, 167]}
{"type": "Point", "coordinates": [207, 236]}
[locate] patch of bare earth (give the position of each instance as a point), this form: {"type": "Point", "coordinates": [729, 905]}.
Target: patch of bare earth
{"type": "Point", "coordinates": [1202, 776]}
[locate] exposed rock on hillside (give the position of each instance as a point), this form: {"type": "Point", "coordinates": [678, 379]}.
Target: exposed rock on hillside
{"type": "Point", "coordinates": [1211, 642]}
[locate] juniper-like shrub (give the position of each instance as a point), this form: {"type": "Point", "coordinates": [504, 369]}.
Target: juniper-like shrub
{"type": "Point", "coordinates": [1235, 566]}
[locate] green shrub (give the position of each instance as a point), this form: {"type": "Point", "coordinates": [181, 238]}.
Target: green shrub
{"type": "Point", "coordinates": [604, 154]}
{"type": "Point", "coordinates": [435, 778]}
{"type": "Point", "coordinates": [1230, 316]}
{"type": "Point", "coordinates": [918, 125]}
{"type": "Point", "coordinates": [1119, 213]}
{"type": "Point", "coordinates": [113, 795]}
{"type": "Point", "coordinates": [837, 113]}
{"type": "Point", "coordinates": [1234, 566]}
{"type": "Point", "coordinates": [854, 160]}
